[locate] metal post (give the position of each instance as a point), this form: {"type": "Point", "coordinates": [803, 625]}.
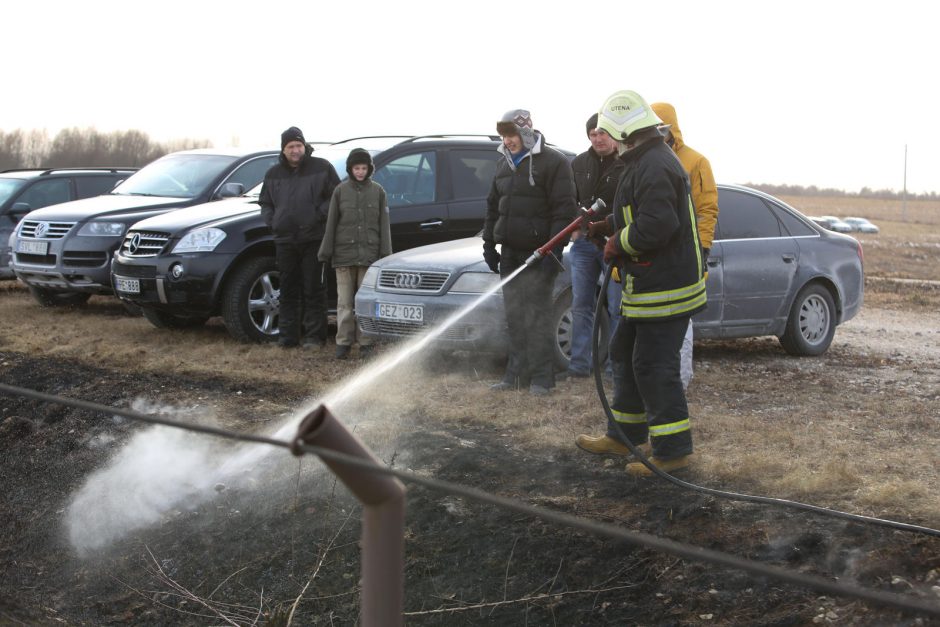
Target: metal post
{"type": "Point", "coordinates": [383, 517]}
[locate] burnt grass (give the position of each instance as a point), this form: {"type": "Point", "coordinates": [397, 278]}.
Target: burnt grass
{"type": "Point", "coordinates": [241, 559]}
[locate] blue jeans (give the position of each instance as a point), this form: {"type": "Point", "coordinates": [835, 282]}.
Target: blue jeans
{"type": "Point", "coordinates": [585, 263]}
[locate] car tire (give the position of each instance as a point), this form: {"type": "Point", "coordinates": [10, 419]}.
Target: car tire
{"type": "Point", "coordinates": [811, 323]}
{"type": "Point", "coordinates": [168, 320]}
{"type": "Point", "coordinates": [561, 323]}
{"type": "Point", "coordinates": [54, 298]}
{"type": "Point", "coordinates": [251, 300]}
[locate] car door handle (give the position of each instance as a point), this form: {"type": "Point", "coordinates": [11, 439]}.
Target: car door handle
{"type": "Point", "coordinates": [712, 261]}
{"type": "Point", "coordinates": [788, 257]}
{"type": "Point", "coordinates": [432, 224]}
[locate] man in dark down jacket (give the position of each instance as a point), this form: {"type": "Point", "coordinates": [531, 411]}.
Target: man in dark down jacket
{"type": "Point", "coordinates": [654, 241]}
{"type": "Point", "coordinates": [295, 201]}
{"type": "Point", "coordinates": [531, 200]}
{"type": "Point", "coordinates": [596, 173]}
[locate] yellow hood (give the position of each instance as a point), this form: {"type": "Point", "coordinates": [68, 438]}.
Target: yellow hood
{"type": "Point", "coordinates": [667, 113]}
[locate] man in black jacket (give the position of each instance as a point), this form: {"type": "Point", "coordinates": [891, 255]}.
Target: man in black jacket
{"type": "Point", "coordinates": [596, 173]}
{"type": "Point", "coordinates": [295, 201]}
{"type": "Point", "coordinates": [531, 200]}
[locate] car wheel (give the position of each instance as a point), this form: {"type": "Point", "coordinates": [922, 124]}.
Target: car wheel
{"type": "Point", "coordinates": [251, 300]}
{"type": "Point", "coordinates": [53, 298]}
{"type": "Point", "coordinates": [167, 320]}
{"type": "Point", "coordinates": [562, 323]}
{"type": "Point", "coordinates": [811, 323]}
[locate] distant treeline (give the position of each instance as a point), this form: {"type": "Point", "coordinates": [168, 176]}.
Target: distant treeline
{"type": "Point", "coordinates": [865, 192]}
{"type": "Point", "coordinates": [78, 147]}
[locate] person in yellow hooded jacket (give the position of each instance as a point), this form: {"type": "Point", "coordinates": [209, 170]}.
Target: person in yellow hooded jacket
{"type": "Point", "coordinates": [704, 197]}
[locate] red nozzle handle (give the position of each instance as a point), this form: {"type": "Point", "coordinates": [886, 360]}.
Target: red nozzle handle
{"type": "Point", "coordinates": [586, 212]}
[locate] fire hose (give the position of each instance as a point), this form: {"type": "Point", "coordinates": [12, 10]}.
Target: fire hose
{"type": "Point", "coordinates": [601, 310]}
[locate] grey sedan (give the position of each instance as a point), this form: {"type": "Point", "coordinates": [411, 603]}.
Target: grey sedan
{"type": "Point", "coordinates": [771, 271]}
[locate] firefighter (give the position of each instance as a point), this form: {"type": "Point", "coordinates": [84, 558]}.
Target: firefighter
{"type": "Point", "coordinates": [652, 239]}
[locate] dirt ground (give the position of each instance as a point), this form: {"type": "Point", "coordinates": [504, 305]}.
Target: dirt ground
{"type": "Point", "coordinates": [109, 521]}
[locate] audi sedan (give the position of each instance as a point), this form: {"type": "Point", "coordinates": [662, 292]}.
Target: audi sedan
{"type": "Point", "coordinates": [771, 271]}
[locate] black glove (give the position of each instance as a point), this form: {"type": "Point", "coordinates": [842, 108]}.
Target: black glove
{"type": "Point", "coordinates": [491, 257]}
{"type": "Point", "coordinates": [597, 231]}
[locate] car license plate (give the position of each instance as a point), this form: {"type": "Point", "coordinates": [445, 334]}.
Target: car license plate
{"type": "Point", "coordinates": [405, 313]}
{"type": "Point", "coordinates": [127, 286]}
{"type": "Point", "coordinates": [30, 247]}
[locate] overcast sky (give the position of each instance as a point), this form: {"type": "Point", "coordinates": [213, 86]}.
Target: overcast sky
{"type": "Point", "coordinates": [799, 92]}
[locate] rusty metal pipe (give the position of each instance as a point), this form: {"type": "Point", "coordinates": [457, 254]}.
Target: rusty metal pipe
{"type": "Point", "coordinates": [383, 518]}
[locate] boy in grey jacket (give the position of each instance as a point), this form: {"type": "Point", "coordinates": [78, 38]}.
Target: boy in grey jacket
{"type": "Point", "coordinates": [357, 234]}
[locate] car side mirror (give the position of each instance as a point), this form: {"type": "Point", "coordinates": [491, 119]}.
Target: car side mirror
{"type": "Point", "coordinates": [231, 190]}
{"type": "Point", "coordinates": [20, 209]}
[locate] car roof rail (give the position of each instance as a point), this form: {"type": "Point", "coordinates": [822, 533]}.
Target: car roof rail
{"type": "Point", "coordinates": [355, 139]}
{"type": "Point", "coordinates": [414, 138]}
{"type": "Point", "coordinates": [469, 136]}
{"type": "Point", "coordinates": [46, 171]}
{"type": "Point", "coordinates": [114, 169]}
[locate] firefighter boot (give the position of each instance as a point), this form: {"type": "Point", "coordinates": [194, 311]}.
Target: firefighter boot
{"type": "Point", "coordinates": [606, 445]}
{"type": "Point", "coordinates": [638, 469]}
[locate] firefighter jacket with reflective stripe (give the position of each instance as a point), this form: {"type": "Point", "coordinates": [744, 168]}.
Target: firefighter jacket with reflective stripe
{"type": "Point", "coordinates": [663, 265]}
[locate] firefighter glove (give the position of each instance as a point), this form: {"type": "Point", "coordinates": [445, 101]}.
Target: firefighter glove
{"type": "Point", "coordinates": [601, 228]}
{"type": "Point", "coordinates": [612, 249]}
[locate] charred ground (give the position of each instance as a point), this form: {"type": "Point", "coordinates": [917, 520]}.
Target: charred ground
{"type": "Point", "coordinates": [246, 557]}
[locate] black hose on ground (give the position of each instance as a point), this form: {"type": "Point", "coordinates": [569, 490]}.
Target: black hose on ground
{"type": "Point", "coordinates": [601, 310]}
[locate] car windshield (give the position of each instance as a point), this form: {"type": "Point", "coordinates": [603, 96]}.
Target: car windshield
{"type": "Point", "coordinates": [176, 176]}
{"type": "Point", "coordinates": [8, 187]}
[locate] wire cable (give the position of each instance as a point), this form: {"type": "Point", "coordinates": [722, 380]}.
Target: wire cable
{"type": "Point", "coordinates": [601, 309]}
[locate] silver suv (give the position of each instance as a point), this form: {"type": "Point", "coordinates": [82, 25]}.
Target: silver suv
{"type": "Point", "coordinates": [63, 253]}
{"type": "Point", "coordinates": [22, 191]}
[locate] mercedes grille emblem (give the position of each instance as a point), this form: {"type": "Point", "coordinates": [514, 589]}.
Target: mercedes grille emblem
{"type": "Point", "coordinates": [134, 244]}
{"type": "Point", "coordinates": [407, 280]}
{"type": "Point", "coordinates": [41, 229]}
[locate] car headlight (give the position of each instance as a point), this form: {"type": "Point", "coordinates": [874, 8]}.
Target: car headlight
{"type": "Point", "coordinates": [369, 278]}
{"type": "Point", "coordinates": [106, 229]}
{"type": "Point", "coordinates": [475, 282]}
{"type": "Point", "coordinates": [200, 240]}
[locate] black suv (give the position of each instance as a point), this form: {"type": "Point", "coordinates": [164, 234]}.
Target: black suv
{"type": "Point", "coordinates": [63, 253]}
{"type": "Point", "coordinates": [184, 267]}
{"type": "Point", "coordinates": [21, 191]}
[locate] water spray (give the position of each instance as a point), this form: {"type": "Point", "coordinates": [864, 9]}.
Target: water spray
{"type": "Point", "coordinates": [586, 212]}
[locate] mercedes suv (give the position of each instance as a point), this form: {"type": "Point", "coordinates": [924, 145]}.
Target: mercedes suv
{"type": "Point", "coordinates": [184, 267]}
{"type": "Point", "coordinates": [21, 191]}
{"type": "Point", "coordinates": [63, 252]}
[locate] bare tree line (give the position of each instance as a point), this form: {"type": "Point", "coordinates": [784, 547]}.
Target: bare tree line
{"type": "Point", "coordinates": [85, 147]}
{"type": "Point", "coordinates": [865, 192]}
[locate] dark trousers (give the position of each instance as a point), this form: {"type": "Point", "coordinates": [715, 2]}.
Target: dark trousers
{"type": "Point", "coordinates": [528, 303]}
{"type": "Point", "coordinates": [303, 292]}
{"type": "Point", "coordinates": [649, 401]}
